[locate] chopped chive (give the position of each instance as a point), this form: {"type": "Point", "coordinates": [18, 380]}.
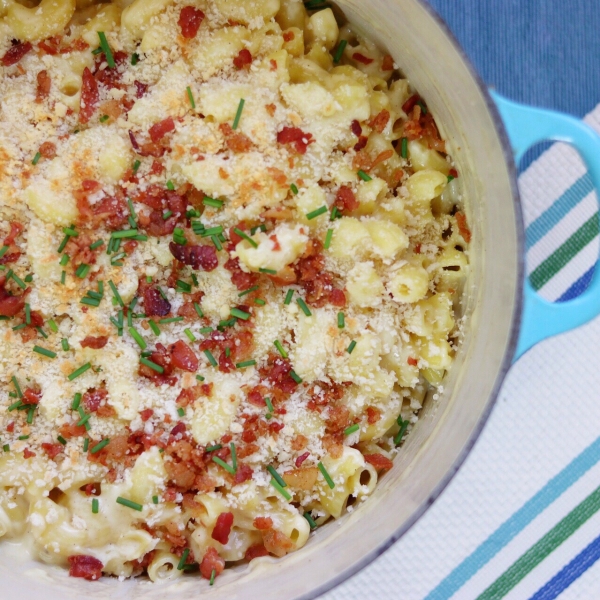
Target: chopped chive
{"type": "Point", "coordinates": [3, 251]}
{"type": "Point", "coordinates": [162, 292]}
{"type": "Point", "coordinates": [154, 327]}
{"type": "Point", "coordinates": [6, 448]}
{"type": "Point", "coordinates": [328, 239]}
{"type": "Point", "coordinates": [247, 363]}
{"type": "Point", "coordinates": [191, 96]}
{"type": "Point", "coordinates": [124, 233]}
{"type": "Point", "coordinates": [115, 291]}
{"type": "Point", "coordinates": [79, 371]}
{"type": "Point", "coordinates": [154, 499]}
{"type": "Point", "coordinates": [334, 213]}
{"type": "Point", "coordinates": [214, 448]}
{"type": "Point", "coordinates": [64, 260]}
{"type": "Point", "coordinates": [90, 302]}
{"type": "Point", "coordinates": [295, 376]}
{"type": "Point", "coordinates": [30, 414]}
{"type": "Point", "coordinates": [84, 421]}
{"type": "Point", "coordinates": [280, 348]}
{"type": "Point", "coordinates": [100, 446]}
{"type": "Point", "coordinates": [352, 429]}
{"type": "Point", "coordinates": [212, 202]}
{"type": "Point", "coordinates": [341, 320]}
{"type": "Point", "coordinates": [95, 295]}
{"type": "Point", "coordinates": [269, 405]}
{"type": "Point", "coordinates": [240, 314]}
{"type": "Point", "coordinates": [281, 490]}
{"type": "Point", "coordinates": [36, 158]}
{"type": "Point", "coordinates": [262, 228]}
{"type": "Point", "coordinates": [248, 291]}
{"type": "Point", "coordinates": [190, 335]}
{"type": "Point", "coordinates": [288, 297]}
{"type": "Point", "coordinates": [351, 347]}
{"type": "Point", "coordinates": [183, 286]}
{"type": "Point", "coordinates": [211, 358]}
{"type": "Point", "coordinates": [148, 278]}
{"type": "Point", "coordinates": [238, 114]}
{"type": "Point", "coordinates": [135, 57]}
{"type": "Point", "coordinates": [423, 107]}
{"type": "Point", "coordinates": [326, 475]}
{"type": "Point", "coordinates": [364, 176]}
{"type": "Point", "coordinates": [41, 332]}
{"type": "Point", "coordinates": [106, 49]}
{"type": "Point", "coordinates": [212, 231]}
{"type": "Point", "coordinates": [400, 434]}
{"type": "Point", "coordinates": [167, 214]}
{"type": "Point", "coordinates": [28, 278]}
{"type": "Point", "coordinates": [95, 506]}
{"type": "Point", "coordinates": [170, 320]}
{"type": "Point", "coordinates": [245, 236]}
{"type": "Point", "coordinates": [206, 330]}
{"type": "Point", "coordinates": [82, 271]}
{"type": "Point", "coordinates": [233, 456]}
{"type": "Point", "coordinates": [27, 313]}
{"type": "Point", "coordinates": [16, 279]}
{"type": "Point", "coordinates": [170, 186]}
{"type": "Point", "coordinates": [340, 51]}
{"type": "Point", "coordinates": [23, 437]}
{"type": "Point", "coordinates": [65, 344]}
{"type": "Point", "coordinates": [200, 378]}
{"type": "Point", "coordinates": [294, 189]}
{"type": "Point", "coordinates": [86, 444]}
{"type": "Point", "coordinates": [181, 411]}
{"type": "Point", "coordinates": [63, 244]}
{"type": "Point", "coordinates": [97, 51]}
{"type": "Point", "coordinates": [104, 118]}
{"type": "Point", "coordinates": [404, 148]}
{"type": "Point", "coordinates": [16, 405]}
{"type": "Point", "coordinates": [310, 520]}
{"type": "Point", "coordinates": [195, 280]}
{"type": "Point", "coordinates": [213, 574]}
{"type": "Point", "coordinates": [216, 242]}
{"type": "Point", "coordinates": [136, 166]}
{"type": "Point", "coordinates": [228, 323]}
{"type": "Point", "coordinates": [19, 327]}
{"type": "Point", "coordinates": [223, 464]}
{"type": "Point", "coordinates": [129, 504]}
{"type": "Point", "coordinates": [152, 365]}
{"type": "Point", "coordinates": [61, 440]}
{"type": "Point", "coordinates": [44, 352]}
{"type": "Point", "coordinates": [276, 476]}
{"type": "Point", "coordinates": [63, 277]}
{"type": "Point", "coordinates": [76, 401]}
{"type": "Point", "coordinates": [259, 301]}
{"type": "Point", "coordinates": [138, 338]}
{"type": "Point", "coordinates": [303, 306]}
{"type": "Point", "coordinates": [316, 213]}
{"type": "Point", "coordinates": [185, 553]}
{"type": "Point", "coordinates": [268, 271]}
{"type": "Point", "coordinates": [96, 244]}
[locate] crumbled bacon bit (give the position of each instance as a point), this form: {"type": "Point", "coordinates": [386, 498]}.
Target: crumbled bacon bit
{"type": "Point", "coordinates": [95, 342]}
{"type": "Point", "coordinates": [27, 453]}
{"type": "Point", "coordinates": [32, 396]}
{"type": "Point", "coordinates": [255, 551]}
{"type": "Point", "coordinates": [362, 143]}
{"type": "Point", "coordinates": [71, 430]}
{"type": "Point", "coordinates": [236, 141]}
{"type": "Point", "coordinates": [277, 543]}
{"type": "Point", "coordinates": [373, 415]}
{"type": "Point", "coordinates": [243, 59]}
{"type": "Point", "coordinates": [15, 53]}
{"type": "Point", "coordinates": [380, 462]}
{"type": "Point", "coordinates": [190, 19]}
{"type": "Point", "coordinates": [387, 64]}
{"type": "Point", "coordinates": [345, 199]}
{"type": "Point", "coordinates": [413, 362]}
{"type": "Point", "coordinates": [288, 36]}
{"type": "Point", "coordinates": [356, 128]}
{"type": "Point", "coordinates": [263, 523]}
{"type": "Point", "coordinates": [10, 306]}
{"type": "Point", "coordinates": [183, 357]}
{"type": "Point", "coordinates": [146, 414]}
{"type": "Point", "coordinates": [379, 122]}
{"type": "Point", "coordinates": [44, 83]}
{"type": "Point", "coordinates": [463, 228]}
{"type": "Point", "coordinates": [86, 567]}
{"type": "Point", "coordinates": [198, 257]}
{"type": "Point", "coordinates": [361, 58]}
{"type": "Point", "coordinates": [154, 304]}
{"type": "Point", "coordinates": [52, 450]}
{"type": "Point", "coordinates": [271, 109]}
{"type": "Point", "coordinates": [94, 398]}
{"type": "Point", "coordinates": [48, 150]}
{"type": "Point", "coordinates": [211, 562]}
{"type": "Point", "coordinates": [453, 172]}
{"type": "Point", "coordinates": [243, 473]}
{"type": "Point", "coordinates": [159, 130]}
{"type": "Point", "coordinates": [90, 96]}
{"type": "Point", "coordinates": [298, 462]}
{"type": "Point", "coordinates": [410, 103]}
{"type": "Point", "coordinates": [295, 137]}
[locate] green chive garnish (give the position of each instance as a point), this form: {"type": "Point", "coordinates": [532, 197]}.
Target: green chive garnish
{"type": "Point", "coordinates": [259, 301]}
{"type": "Point", "coordinates": [76, 401]}
{"type": "Point", "coordinates": [105, 442]}
{"type": "Point", "coordinates": [181, 411]}
{"type": "Point", "coordinates": [65, 344]}
{"type": "Point", "coordinates": [294, 189]}
{"type": "Point", "coordinates": [185, 553]}
{"type": "Point", "coordinates": [238, 115]}
{"type": "Point", "coordinates": [86, 444]}
{"type": "Point", "coordinates": [280, 348]}
{"type": "Point", "coordinates": [295, 376]}
{"type": "Point", "coordinates": [248, 291]}
{"type": "Point", "coordinates": [341, 320]}
{"type": "Point", "coordinates": [403, 426]}
{"type": "Point", "coordinates": [213, 448]}
{"type": "Point", "coordinates": [213, 574]}
{"type": "Point", "coordinates": [240, 314]}
{"type": "Point", "coordinates": [310, 520]}
{"type": "Point", "coordinates": [270, 407]}
{"type": "Point", "coordinates": [340, 51]}
{"type": "Point", "coordinates": [233, 456]}
{"type": "Point", "coordinates": [212, 230]}
{"type": "Point", "coordinates": [135, 57]}
{"type": "Point", "coordinates": [247, 363]}
{"type": "Point", "coordinates": [326, 475]}
{"type": "Point", "coordinates": [23, 437]}
{"type": "Point", "coordinates": [61, 440]}
{"type": "Point", "coordinates": [95, 505]}
{"type": "Point", "coordinates": [27, 314]}
{"type": "Point", "coordinates": [16, 405]}
{"type": "Point", "coordinates": [334, 213]}
{"type": "Point", "coordinates": [328, 239]}
{"type": "Point", "coordinates": [190, 335]}
{"type": "Point", "coordinates": [124, 233]}
{"type": "Point", "coordinates": [352, 429]}
{"type": "Point", "coordinates": [16, 279]}
{"type": "Point", "coordinates": [84, 419]}
{"type": "Point", "coordinates": [106, 49]}
{"type": "Point", "coordinates": [288, 297]}
{"type": "Point", "coordinates": [351, 347]}
{"type": "Point", "coordinates": [200, 378]}
{"type": "Point", "coordinates": [213, 202]}
{"type": "Point", "coordinates": [268, 271]}
{"type": "Point", "coordinates": [138, 338]}
{"type": "Point", "coordinates": [104, 118]}
{"type": "Point", "coordinates": [36, 158]}
{"type": "Point", "coordinates": [30, 413]}
{"type": "Point", "coordinates": [82, 271]}
{"type": "Point", "coordinates": [136, 166]}
{"type": "Point", "coordinates": [170, 320]}
{"type": "Point", "coordinates": [154, 327]}
{"type": "Point", "coordinates": [130, 504]}
{"type": "Point", "coordinates": [191, 96]}
{"type": "Point", "coordinates": [152, 365]}
{"type": "Point", "coordinates": [3, 251]}
{"type": "Point", "coordinates": [223, 464]}
{"type": "Point", "coordinates": [79, 371]}
{"type": "Point", "coordinates": [316, 213]}
{"type": "Point", "coordinates": [154, 499]}
{"type": "Point", "coordinates": [276, 476]}
{"type": "Point", "coordinates": [281, 490]}
{"type": "Point", "coordinates": [170, 186]}
{"type": "Point", "coordinates": [303, 306]}
{"type": "Point", "coordinates": [211, 358]}
{"type": "Point", "coordinates": [404, 148]}
{"type": "Point", "coordinates": [245, 236]}
{"type": "Point", "coordinates": [115, 292]}
{"type": "Point", "coordinates": [44, 352]}
{"type": "Point", "coordinates": [364, 176]}
{"type": "Point", "coordinates": [6, 448]}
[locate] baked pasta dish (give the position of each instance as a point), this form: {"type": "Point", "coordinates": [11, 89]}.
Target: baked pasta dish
{"type": "Point", "coordinates": [232, 249]}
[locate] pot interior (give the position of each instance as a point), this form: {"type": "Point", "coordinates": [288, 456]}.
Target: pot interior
{"type": "Point", "coordinates": [449, 424]}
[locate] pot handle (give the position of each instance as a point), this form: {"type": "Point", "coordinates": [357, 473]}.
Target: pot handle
{"type": "Point", "coordinates": [527, 126]}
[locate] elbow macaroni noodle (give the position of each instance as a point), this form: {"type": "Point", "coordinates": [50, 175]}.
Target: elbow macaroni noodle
{"type": "Point", "coordinates": [233, 257]}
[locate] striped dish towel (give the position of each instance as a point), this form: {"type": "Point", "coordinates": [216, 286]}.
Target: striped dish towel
{"type": "Point", "coordinates": [521, 519]}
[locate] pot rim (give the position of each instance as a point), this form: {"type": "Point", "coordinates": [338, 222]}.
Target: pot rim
{"type": "Point", "coordinates": [514, 332]}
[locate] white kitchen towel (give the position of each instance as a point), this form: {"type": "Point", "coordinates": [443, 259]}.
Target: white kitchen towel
{"type": "Point", "coordinates": [521, 519]}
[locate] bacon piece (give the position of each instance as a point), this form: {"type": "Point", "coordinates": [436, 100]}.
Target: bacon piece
{"type": "Point", "coordinates": [277, 372]}
{"type": "Point", "coordinates": [183, 357]}
{"type": "Point", "coordinates": [211, 562]}
{"type": "Point", "coordinates": [154, 304]}
{"type": "Point", "coordinates": [243, 473]}
{"type": "Point", "coordinates": [44, 83]}
{"type": "Point", "coordinates": [95, 342]}
{"type": "Point", "coordinates": [146, 414]}
{"type": "Point", "coordinates": [180, 474]}
{"type": "Point", "coordinates": [255, 551]}
{"type": "Point", "coordinates": [356, 128]}
{"type": "Point", "coordinates": [243, 59]}
{"type": "Point", "coordinates": [288, 36]}
{"type": "Point", "coordinates": [90, 96]}
{"type": "Point", "coordinates": [27, 453]}
{"type": "Point", "coordinates": [11, 306]}
{"type": "Point", "coordinates": [71, 430]}
{"type": "Point", "coordinates": [410, 103]}
{"type": "Point", "coordinates": [298, 462]}
{"type": "Point", "coordinates": [15, 231]}
{"type": "Point", "coordinates": [236, 141]}
{"type": "Point", "coordinates": [362, 143]}
{"type": "Point", "coordinates": [187, 309]}
{"type": "Point", "coordinates": [263, 523]}
{"type": "Point", "coordinates": [277, 543]}
{"type": "Point", "coordinates": [295, 137]}
{"type": "Point", "coordinates": [159, 130]}
{"type": "Point", "coordinates": [189, 395]}
{"type": "Point", "coordinates": [379, 122]}
{"type": "Point", "coordinates": [345, 199]}
{"type": "Point", "coordinates": [190, 19]}
{"type": "Point", "coordinates": [15, 54]}
{"type": "Point", "coordinates": [86, 567]}
{"type": "Point", "coordinates": [361, 58]}
{"type": "Point", "coordinates": [463, 228]}
{"type": "Point", "coordinates": [115, 451]}
{"type": "Point", "coordinates": [93, 398]}
{"type": "Point", "coordinates": [413, 362]}
{"type": "Point", "coordinates": [241, 279]}
{"type": "Point", "coordinates": [198, 257]}
{"type": "Point", "coordinates": [373, 415]}
{"type": "Point", "coordinates": [52, 450]}
{"type": "Point", "coordinates": [387, 64]}
{"type": "Point", "coordinates": [379, 461]}
{"type": "Point", "coordinates": [48, 150]}
{"type": "Point", "coordinates": [32, 396]}
{"type": "Point", "coordinates": [222, 527]}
